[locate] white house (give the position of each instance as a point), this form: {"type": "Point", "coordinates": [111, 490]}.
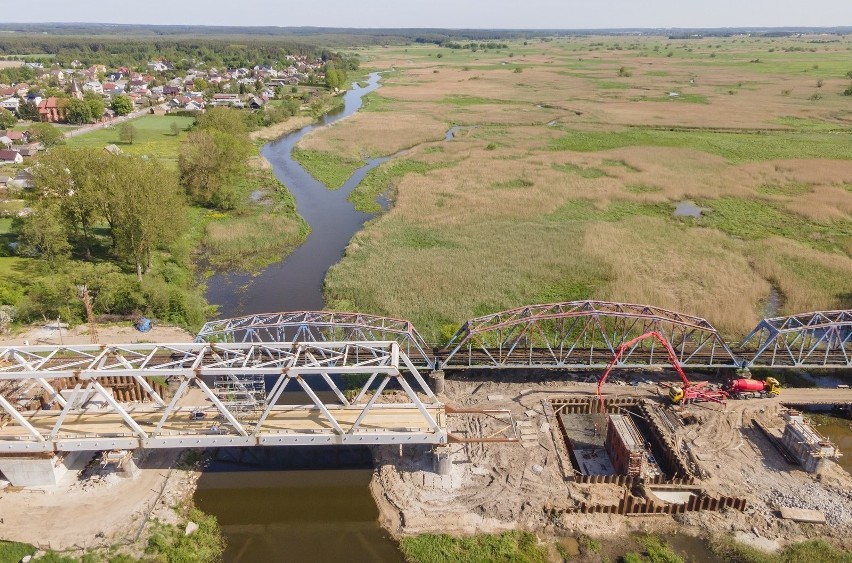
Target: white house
{"type": "Point", "coordinates": [11, 104]}
{"type": "Point", "coordinates": [93, 86]}
{"type": "Point", "coordinates": [10, 157]}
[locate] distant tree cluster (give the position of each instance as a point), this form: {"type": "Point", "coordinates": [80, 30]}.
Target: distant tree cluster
{"type": "Point", "coordinates": [114, 52]}
{"type": "Point", "coordinates": [474, 46]}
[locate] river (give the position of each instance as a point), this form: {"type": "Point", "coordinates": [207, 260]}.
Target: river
{"type": "Point", "coordinates": [295, 283]}
{"type": "Point", "coordinates": [297, 504]}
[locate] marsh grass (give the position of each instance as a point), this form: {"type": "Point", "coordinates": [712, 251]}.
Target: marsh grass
{"type": "Point", "coordinates": [471, 237]}
{"type": "Point", "coordinates": [513, 184]}
{"type": "Point", "coordinates": [580, 171]}
{"type": "Point", "coordinates": [508, 547]}
{"type": "Point", "coordinates": [383, 180]}
{"type": "Point", "coordinates": [811, 551]}
{"type": "Point", "coordinates": [735, 147]}
{"type": "Point", "coordinates": [327, 167]}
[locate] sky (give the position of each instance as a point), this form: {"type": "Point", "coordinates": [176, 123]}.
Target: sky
{"type": "Point", "coordinates": [515, 14]}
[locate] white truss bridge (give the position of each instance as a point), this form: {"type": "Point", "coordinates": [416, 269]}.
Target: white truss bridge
{"type": "Point", "coordinates": [58, 398]}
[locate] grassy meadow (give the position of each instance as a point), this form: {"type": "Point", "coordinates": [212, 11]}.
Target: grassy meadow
{"type": "Point", "coordinates": [154, 137]}
{"type": "Point", "coordinates": [569, 159]}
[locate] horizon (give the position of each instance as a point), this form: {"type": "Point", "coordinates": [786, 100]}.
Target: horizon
{"type": "Point", "coordinates": [470, 14]}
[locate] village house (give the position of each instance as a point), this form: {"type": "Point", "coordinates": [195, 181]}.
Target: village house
{"type": "Point", "coordinates": [8, 91]}
{"type": "Point", "coordinates": [10, 157]}
{"type": "Point", "coordinates": [22, 180]}
{"type": "Point", "coordinates": [11, 104]}
{"type": "Point", "coordinates": [16, 137]}
{"type": "Point", "coordinates": [51, 111]}
{"type": "Point", "coordinates": [59, 75]}
{"type": "Point", "coordinates": [93, 86]}
{"type": "Point", "coordinates": [27, 151]}
{"type": "Point", "coordinates": [226, 100]}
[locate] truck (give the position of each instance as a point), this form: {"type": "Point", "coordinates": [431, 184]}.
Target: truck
{"type": "Point", "coordinates": [747, 388]}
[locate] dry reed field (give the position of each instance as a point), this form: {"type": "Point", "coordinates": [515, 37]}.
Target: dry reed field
{"type": "Point", "coordinates": [570, 159]}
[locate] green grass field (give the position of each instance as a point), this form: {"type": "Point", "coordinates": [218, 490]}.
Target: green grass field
{"type": "Point", "coordinates": [154, 137]}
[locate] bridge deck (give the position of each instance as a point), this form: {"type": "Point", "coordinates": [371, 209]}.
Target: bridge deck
{"type": "Point", "coordinates": [285, 425]}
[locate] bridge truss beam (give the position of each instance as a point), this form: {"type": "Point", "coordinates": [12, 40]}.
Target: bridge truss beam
{"type": "Point", "coordinates": [319, 326]}
{"type": "Point", "coordinates": [372, 414]}
{"type": "Point", "coordinates": [820, 339]}
{"type": "Point", "coordinates": [583, 334]}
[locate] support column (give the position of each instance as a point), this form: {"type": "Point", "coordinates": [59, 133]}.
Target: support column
{"type": "Point", "coordinates": [437, 381]}
{"type": "Point", "coordinates": [443, 460]}
{"type": "Point", "coordinates": [40, 470]}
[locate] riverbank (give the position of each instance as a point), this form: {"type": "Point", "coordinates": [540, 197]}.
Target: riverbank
{"type": "Point", "coordinates": [98, 512]}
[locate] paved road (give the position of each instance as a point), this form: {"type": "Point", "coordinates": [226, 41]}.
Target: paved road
{"type": "Point", "coordinates": [815, 396]}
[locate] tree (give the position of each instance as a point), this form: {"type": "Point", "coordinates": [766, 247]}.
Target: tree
{"type": "Point", "coordinates": [7, 119]}
{"type": "Point", "coordinates": [29, 111]}
{"type": "Point", "coordinates": [41, 234]}
{"type": "Point", "coordinates": [46, 134]}
{"type": "Point", "coordinates": [146, 208]}
{"type": "Point", "coordinates": [126, 133]}
{"type": "Point", "coordinates": [210, 161]}
{"type": "Point", "coordinates": [121, 104]}
{"type": "Point", "coordinates": [96, 105]}
{"type": "Point", "coordinates": [78, 112]}
{"type": "Point", "coordinates": [71, 181]}
{"type": "Point", "coordinates": [175, 128]}
{"type": "Point", "coordinates": [224, 120]}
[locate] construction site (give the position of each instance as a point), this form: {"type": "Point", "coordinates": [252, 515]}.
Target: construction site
{"type": "Point", "coordinates": [754, 468]}
{"type": "Point", "coordinates": [662, 429]}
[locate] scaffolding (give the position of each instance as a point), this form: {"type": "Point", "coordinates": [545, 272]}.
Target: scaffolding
{"type": "Point", "coordinates": [242, 394]}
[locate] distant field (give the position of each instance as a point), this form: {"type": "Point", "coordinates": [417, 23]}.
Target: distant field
{"type": "Point", "coordinates": [10, 64]}
{"type": "Point", "coordinates": [569, 160]}
{"type": "Point", "coordinates": [154, 137]}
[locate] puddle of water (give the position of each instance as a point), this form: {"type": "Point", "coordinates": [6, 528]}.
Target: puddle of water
{"type": "Point", "coordinates": [687, 209]}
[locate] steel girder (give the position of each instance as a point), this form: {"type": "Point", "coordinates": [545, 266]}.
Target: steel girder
{"type": "Point", "coordinates": [319, 326]}
{"type": "Point", "coordinates": [409, 414]}
{"type": "Point", "coordinates": [583, 334]}
{"type": "Point", "coordinates": [820, 339]}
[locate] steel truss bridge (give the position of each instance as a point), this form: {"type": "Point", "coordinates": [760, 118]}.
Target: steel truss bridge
{"type": "Point", "coordinates": [388, 407]}
{"type": "Point", "coordinates": [568, 335]}
{"type": "Point", "coordinates": [231, 381]}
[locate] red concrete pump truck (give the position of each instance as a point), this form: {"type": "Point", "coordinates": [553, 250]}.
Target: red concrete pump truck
{"type": "Point", "coordinates": [689, 391]}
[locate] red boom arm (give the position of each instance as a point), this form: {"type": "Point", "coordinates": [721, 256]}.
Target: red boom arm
{"type": "Point", "coordinates": [629, 344]}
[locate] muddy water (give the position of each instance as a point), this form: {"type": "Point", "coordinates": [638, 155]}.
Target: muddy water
{"type": "Point", "coordinates": [282, 505]}
{"type": "Point", "coordinates": [839, 431]}
{"type": "Point", "coordinates": [297, 504]}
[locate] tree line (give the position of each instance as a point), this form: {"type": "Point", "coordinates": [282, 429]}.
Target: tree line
{"type": "Point", "coordinates": [183, 53]}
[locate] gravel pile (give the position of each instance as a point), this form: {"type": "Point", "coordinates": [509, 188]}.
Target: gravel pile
{"type": "Point", "coordinates": [835, 505]}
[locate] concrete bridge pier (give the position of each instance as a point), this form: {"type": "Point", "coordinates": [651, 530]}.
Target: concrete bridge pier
{"type": "Point", "coordinates": [41, 469]}
{"type": "Point", "coordinates": [437, 381]}
{"type": "Point", "coordinates": [443, 460]}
